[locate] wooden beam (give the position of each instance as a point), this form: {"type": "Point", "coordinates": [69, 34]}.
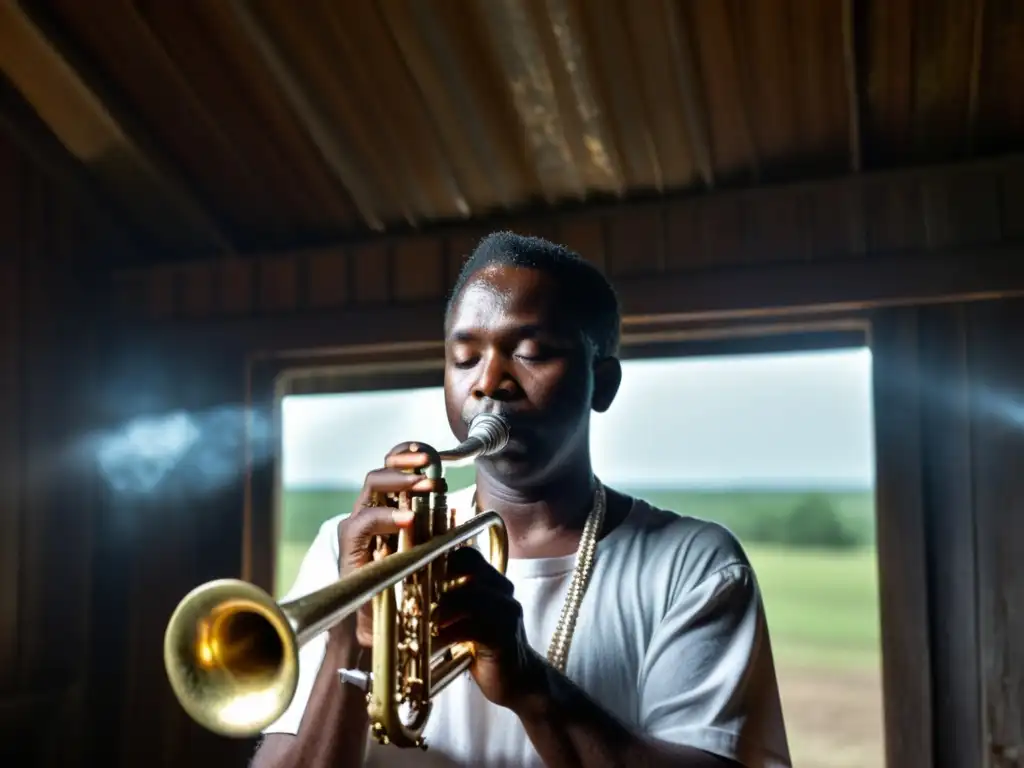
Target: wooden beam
{"type": "Point", "coordinates": [850, 69]}
{"type": "Point", "coordinates": [902, 556]}
{"type": "Point", "coordinates": [736, 293]}
{"type": "Point", "coordinates": [71, 97]}
{"type": "Point", "coordinates": [546, 220]}
{"type": "Point", "coordinates": [121, 240]}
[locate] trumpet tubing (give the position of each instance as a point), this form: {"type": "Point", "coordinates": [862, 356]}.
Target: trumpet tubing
{"type": "Point", "coordinates": [231, 652]}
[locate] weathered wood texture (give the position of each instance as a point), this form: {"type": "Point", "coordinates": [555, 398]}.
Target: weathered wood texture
{"type": "Point", "coordinates": [768, 248]}
{"type": "Point", "coordinates": [93, 567]}
{"type": "Point", "coordinates": [46, 497]}
{"type": "Point", "coordinates": [948, 399]}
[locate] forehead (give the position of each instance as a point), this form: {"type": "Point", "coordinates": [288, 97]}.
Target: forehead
{"type": "Point", "coordinates": [500, 296]}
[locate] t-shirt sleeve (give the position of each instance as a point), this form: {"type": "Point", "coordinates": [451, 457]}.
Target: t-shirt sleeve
{"type": "Point", "coordinates": [319, 568]}
{"type": "Point", "coordinates": [708, 679]}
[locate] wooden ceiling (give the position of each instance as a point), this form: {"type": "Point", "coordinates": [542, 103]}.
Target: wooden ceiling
{"type": "Point", "coordinates": [254, 125]}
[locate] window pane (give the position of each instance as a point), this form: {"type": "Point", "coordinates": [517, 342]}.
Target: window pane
{"type": "Point", "coordinates": [777, 447]}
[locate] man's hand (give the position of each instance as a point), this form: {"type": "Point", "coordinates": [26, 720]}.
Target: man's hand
{"type": "Point", "coordinates": [482, 610]}
{"type": "Point", "coordinates": [371, 518]}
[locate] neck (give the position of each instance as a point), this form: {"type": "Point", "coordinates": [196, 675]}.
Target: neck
{"type": "Point", "coordinates": [544, 520]}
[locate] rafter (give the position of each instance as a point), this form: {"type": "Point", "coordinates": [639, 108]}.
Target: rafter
{"type": "Point", "coordinates": [33, 138]}
{"type": "Point", "coordinates": [71, 97]}
{"type": "Point", "coordinates": [690, 92]}
{"type": "Point", "coordinates": [850, 69]}
{"type": "Point", "coordinates": [974, 84]}
{"type": "Point", "coordinates": [308, 113]}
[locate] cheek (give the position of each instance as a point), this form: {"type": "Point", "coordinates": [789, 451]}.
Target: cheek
{"type": "Point", "coordinates": [561, 390]}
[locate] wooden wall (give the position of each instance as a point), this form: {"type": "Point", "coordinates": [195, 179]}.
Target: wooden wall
{"type": "Point", "coordinates": [887, 246]}
{"type": "Point", "coordinates": [185, 339]}
{"type": "Point", "coordinates": [949, 409]}
{"type": "Point", "coordinates": [881, 236]}
{"type": "Point", "coordinates": [46, 494]}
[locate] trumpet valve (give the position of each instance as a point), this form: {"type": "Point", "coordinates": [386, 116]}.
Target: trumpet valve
{"type": "Point", "coordinates": [358, 678]}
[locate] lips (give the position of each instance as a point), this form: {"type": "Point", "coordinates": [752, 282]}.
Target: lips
{"type": "Point", "coordinates": [517, 420]}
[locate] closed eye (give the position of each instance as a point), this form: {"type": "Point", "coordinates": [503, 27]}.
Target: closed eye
{"type": "Point", "coordinates": [536, 352]}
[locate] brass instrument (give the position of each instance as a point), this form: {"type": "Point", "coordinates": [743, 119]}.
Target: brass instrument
{"type": "Point", "coordinates": [232, 653]}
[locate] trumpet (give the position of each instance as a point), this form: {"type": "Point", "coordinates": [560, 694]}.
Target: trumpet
{"type": "Point", "coordinates": [231, 652]}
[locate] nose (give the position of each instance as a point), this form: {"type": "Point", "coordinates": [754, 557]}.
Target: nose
{"type": "Point", "coordinates": [494, 381]}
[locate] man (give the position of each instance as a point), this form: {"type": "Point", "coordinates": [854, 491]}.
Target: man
{"type": "Point", "coordinates": [621, 635]}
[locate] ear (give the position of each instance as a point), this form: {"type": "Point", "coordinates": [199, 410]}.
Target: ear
{"type": "Point", "coordinates": [607, 378]}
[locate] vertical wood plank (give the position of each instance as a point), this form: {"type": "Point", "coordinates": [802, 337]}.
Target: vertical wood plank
{"type": "Point", "coordinates": [328, 278]}
{"type": "Point", "coordinates": [961, 209]}
{"type": "Point", "coordinates": [1012, 209]}
{"type": "Point", "coordinates": [11, 366]}
{"type": "Point", "coordinates": [370, 266]}
{"type": "Point", "coordinates": [835, 221]}
{"type": "Point", "coordinates": [40, 412]}
{"type": "Point", "coordinates": [162, 297]}
{"type": "Point", "coordinates": [458, 249]}
{"type": "Point", "coordinates": [684, 238]}
{"type": "Point", "coordinates": [11, 362]}
{"type": "Point", "coordinates": [130, 291]}
{"type": "Point", "coordinates": [894, 215]}
{"type": "Point", "coordinates": [949, 478]}
{"type": "Point", "coordinates": [998, 369]}
{"type": "Point", "coordinates": [586, 237]}
{"type": "Point", "coordinates": [776, 228]}
{"type": "Point", "coordinates": [55, 536]}
{"type": "Point", "coordinates": [278, 282]}
{"type": "Point", "coordinates": [236, 284]}
{"type": "Point", "coordinates": [418, 269]}
{"type": "Point", "coordinates": [197, 290]}
{"type": "Point", "coordinates": [720, 220]}
{"type": "Point", "coordinates": [903, 598]}
{"type": "Point", "coordinates": [636, 242]}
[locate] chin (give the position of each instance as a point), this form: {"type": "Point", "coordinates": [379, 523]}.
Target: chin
{"type": "Point", "coordinates": [515, 467]}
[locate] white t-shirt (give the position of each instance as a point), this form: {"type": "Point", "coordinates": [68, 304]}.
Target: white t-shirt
{"type": "Point", "coordinates": [670, 638]}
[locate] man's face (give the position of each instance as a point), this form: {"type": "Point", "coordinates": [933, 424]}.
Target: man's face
{"type": "Point", "coordinates": [513, 348]}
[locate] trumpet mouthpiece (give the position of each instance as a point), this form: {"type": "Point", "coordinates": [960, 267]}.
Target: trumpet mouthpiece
{"type": "Point", "coordinates": [491, 430]}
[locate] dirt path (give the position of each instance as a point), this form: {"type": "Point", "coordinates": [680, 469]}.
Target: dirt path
{"type": "Point", "coordinates": [834, 718]}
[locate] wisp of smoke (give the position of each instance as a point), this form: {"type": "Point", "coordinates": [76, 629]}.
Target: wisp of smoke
{"type": "Point", "coordinates": [182, 452]}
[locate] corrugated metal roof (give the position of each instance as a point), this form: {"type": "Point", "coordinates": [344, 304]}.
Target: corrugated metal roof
{"type": "Point", "coordinates": [292, 122]}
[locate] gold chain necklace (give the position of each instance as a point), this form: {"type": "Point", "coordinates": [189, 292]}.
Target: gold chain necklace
{"type": "Point", "coordinates": [558, 650]}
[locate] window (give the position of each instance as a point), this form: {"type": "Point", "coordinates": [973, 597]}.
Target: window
{"type": "Point", "coordinates": [778, 447]}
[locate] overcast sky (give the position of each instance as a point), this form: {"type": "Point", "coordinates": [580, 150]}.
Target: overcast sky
{"type": "Point", "coordinates": [801, 419]}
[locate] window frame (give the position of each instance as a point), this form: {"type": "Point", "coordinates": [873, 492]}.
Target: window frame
{"type": "Point", "coordinates": [400, 366]}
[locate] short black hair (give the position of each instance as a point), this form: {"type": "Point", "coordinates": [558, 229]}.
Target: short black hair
{"type": "Point", "coordinates": [582, 285]}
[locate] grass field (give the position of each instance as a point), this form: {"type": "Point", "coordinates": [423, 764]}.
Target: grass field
{"type": "Point", "coordinates": [821, 606]}
{"type": "Point", "coordinates": [821, 603]}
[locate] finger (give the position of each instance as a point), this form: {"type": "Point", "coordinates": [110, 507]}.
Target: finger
{"type": "Point", "coordinates": [379, 521]}
{"type": "Point", "coordinates": [489, 620]}
{"type": "Point", "coordinates": [460, 630]}
{"type": "Point", "coordinates": [389, 480]}
{"type": "Point", "coordinates": [472, 602]}
{"type": "Point", "coordinates": [406, 460]}
{"type": "Point", "coordinates": [408, 447]}
{"type": "Point", "coordinates": [467, 564]}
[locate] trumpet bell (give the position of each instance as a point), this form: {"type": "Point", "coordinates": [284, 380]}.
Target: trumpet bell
{"type": "Point", "coordinates": [231, 657]}
{"type": "Point", "coordinates": [232, 653]}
